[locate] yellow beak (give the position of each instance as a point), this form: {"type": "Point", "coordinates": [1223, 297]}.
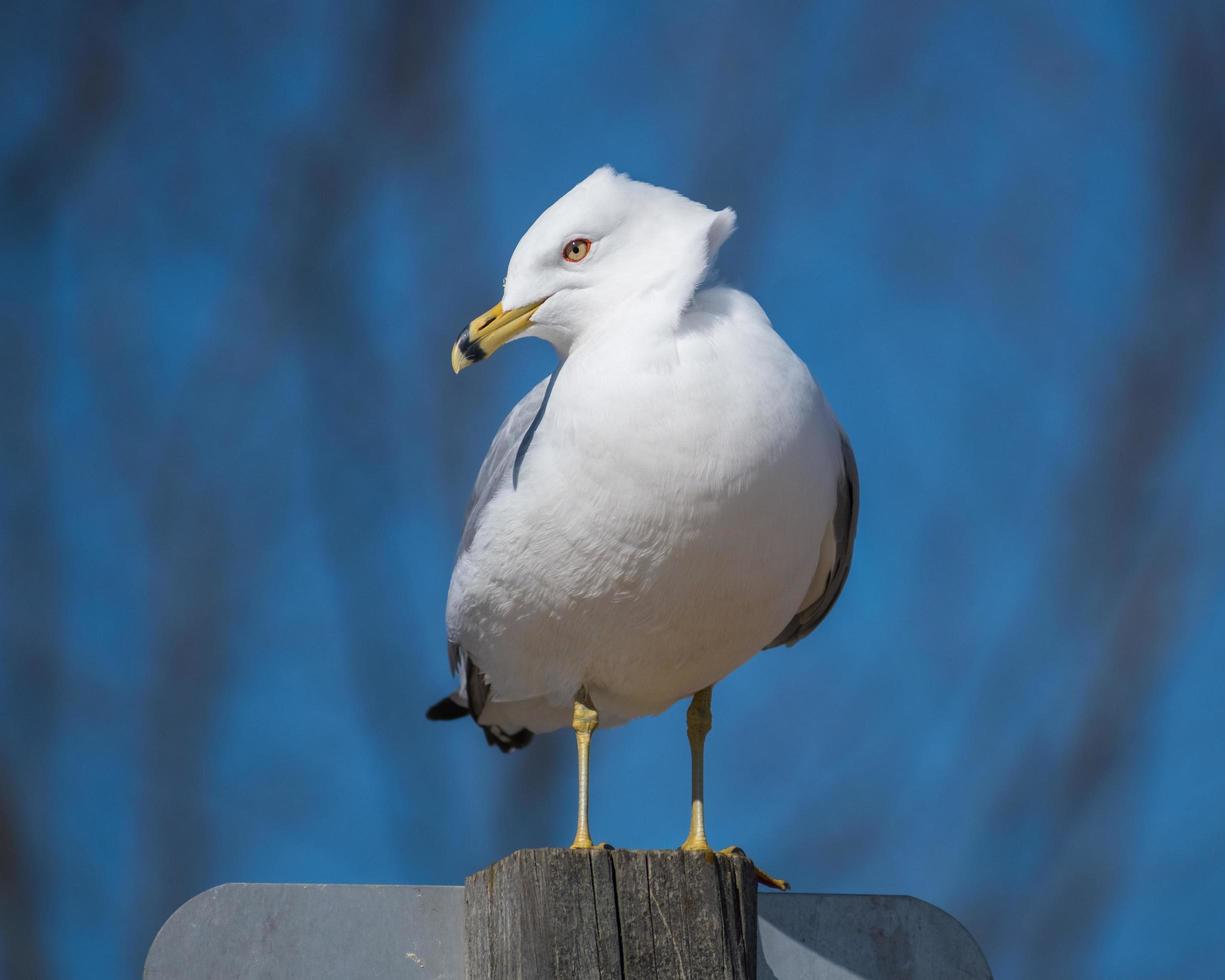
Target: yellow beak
{"type": "Point", "coordinates": [488, 332]}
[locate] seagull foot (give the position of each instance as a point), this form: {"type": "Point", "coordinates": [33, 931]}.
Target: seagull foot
{"type": "Point", "coordinates": [586, 845]}
{"type": "Point", "coordinates": [701, 847]}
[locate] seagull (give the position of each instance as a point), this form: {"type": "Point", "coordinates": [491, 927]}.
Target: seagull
{"type": "Point", "coordinates": [675, 497]}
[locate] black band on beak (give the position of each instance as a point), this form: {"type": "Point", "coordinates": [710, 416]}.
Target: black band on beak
{"type": "Point", "coordinates": [469, 349]}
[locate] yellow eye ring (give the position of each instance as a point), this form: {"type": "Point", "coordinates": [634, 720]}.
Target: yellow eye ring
{"type": "Point", "coordinates": [576, 249]}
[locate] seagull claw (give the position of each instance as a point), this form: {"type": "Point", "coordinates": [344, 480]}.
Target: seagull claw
{"type": "Point", "coordinates": [768, 880]}
{"type": "Point", "coordinates": [762, 878]}
{"type": "Point", "coordinates": [581, 845]}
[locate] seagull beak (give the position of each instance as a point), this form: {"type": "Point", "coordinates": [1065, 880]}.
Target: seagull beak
{"type": "Point", "coordinates": [488, 332]}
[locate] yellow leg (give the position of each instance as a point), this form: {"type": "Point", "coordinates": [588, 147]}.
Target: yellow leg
{"type": "Point", "coordinates": [586, 720]}
{"type": "Point", "coordinates": [698, 722]}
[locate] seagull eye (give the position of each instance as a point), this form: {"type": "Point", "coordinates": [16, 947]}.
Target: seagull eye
{"type": "Point", "coordinates": [576, 249]}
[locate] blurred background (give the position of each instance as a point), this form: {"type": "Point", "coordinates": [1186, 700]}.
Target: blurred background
{"type": "Point", "coordinates": [236, 244]}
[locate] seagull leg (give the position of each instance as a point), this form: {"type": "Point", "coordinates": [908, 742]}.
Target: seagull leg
{"type": "Point", "coordinates": [698, 723]}
{"type": "Point", "coordinates": [585, 721]}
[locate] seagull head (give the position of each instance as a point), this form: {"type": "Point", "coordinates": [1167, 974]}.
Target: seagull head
{"type": "Point", "coordinates": [609, 246]}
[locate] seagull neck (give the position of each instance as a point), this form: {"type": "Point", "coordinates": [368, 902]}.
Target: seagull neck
{"type": "Point", "coordinates": [636, 325]}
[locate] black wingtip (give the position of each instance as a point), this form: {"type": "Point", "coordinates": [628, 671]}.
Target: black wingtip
{"type": "Point", "coordinates": [471, 702]}
{"type": "Point", "coordinates": [446, 710]}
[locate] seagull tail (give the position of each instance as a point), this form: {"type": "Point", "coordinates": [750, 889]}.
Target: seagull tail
{"type": "Point", "coordinates": [470, 700]}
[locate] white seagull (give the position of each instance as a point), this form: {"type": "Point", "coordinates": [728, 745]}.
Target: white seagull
{"type": "Point", "coordinates": [675, 497]}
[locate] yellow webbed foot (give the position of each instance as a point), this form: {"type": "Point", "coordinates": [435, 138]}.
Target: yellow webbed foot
{"type": "Point", "coordinates": [586, 845]}
{"type": "Point", "coordinates": [768, 880]}
{"type": "Point", "coordinates": [700, 846]}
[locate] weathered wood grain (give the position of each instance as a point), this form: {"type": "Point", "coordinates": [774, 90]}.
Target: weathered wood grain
{"type": "Point", "coordinates": [612, 915]}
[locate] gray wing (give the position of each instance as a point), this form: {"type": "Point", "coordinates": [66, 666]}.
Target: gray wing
{"type": "Point", "coordinates": [502, 461]}
{"type": "Point", "coordinates": [834, 558]}
{"type": "Point", "coordinates": [505, 455]}
{"type": "Point", "coordinates": [501, 465]}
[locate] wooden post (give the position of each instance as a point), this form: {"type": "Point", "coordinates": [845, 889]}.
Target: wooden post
{"type": "Point", "coordinates": [587, 915]}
